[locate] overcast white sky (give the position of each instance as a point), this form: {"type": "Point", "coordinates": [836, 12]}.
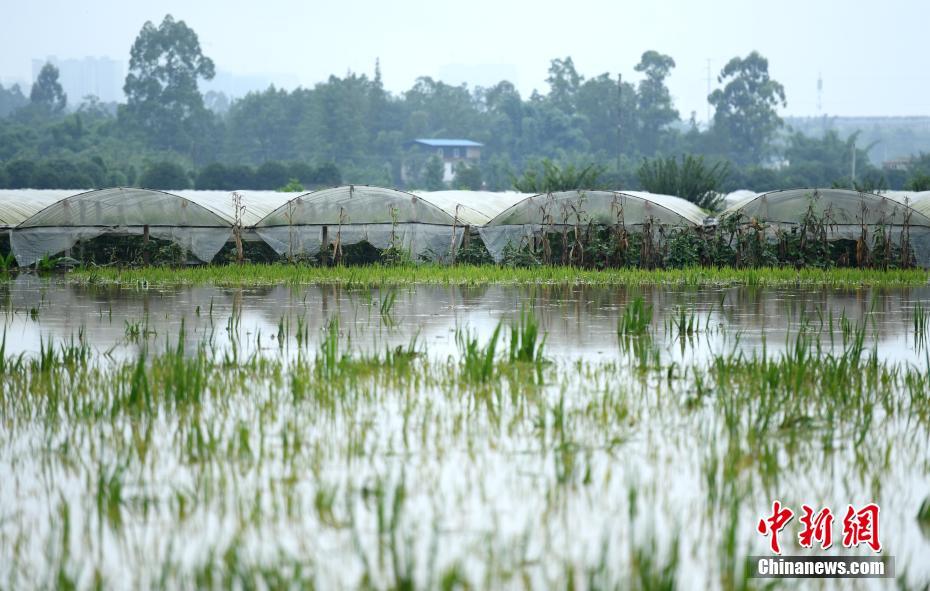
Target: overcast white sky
{"type": "Point", "coordinates": [873, 60]}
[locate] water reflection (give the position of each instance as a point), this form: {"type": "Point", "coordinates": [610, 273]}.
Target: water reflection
{"type": "Point", "coordinates": [581, 321]}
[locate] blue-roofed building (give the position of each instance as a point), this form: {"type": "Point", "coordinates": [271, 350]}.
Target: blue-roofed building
{"type": "Point", "coordinates": [453, 152]}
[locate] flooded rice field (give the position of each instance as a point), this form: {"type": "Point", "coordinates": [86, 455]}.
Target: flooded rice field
{"type": "Point", "coordinates": [453, 437]}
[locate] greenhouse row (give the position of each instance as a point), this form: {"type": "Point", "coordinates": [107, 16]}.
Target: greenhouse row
{"type": "Point", "coordinates": [428, 225]}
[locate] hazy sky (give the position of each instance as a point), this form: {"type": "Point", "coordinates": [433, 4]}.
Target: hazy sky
{"type": "Point", "coordinates": [873, 60]}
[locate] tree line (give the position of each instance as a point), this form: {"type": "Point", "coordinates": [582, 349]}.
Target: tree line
{"type": "Point", "coordinates": [350, 129]}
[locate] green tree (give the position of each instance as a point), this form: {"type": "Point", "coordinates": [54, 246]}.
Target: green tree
{"type": "Point", "coordinates": [326, 174]}
{"type": "Point", "coordinates": [655, 108]}
{"type": "Point", "coordinates": [693, 179]}
{"type": "Point", "coordinates": [214, 176]}
{"type": "Point", "coordinates": [504, 117]}
{"type": "Point", "coordinates": [437, 109]}
{"type": "Point", "coordinates": [162, 98]}
{"type": "Point", "coordinates": [63, 174]}
{"type": "Point", "coordinates": [432, 174]}
{"type": "Point", "coordinates": [271, 175]}
{"type": "Point", "coordinates": [467, 177]}
{"type": "Point", "coordinates": [11, 100]}
{"type": "Point", "coordinates": [604, 109]}
{"type": "Point", "coordinates": [262, 126]}
{"type": "Point", "coordinates": [920, 164]}
{"type": "Point", "coordinates": [241, 176]}
{"type": "Point", "coordinates": [548, 177]}
{"type": "Point", "coordinates": [823, 161]}
{"type": "Point", "coordinates": [20, 173]}
{"type": "Point", "coordinates": [165, 175]}
{"type": "Point", "coordinates": [918, 182]}
{"type": "Point", "coordinates": [564, 82]}
{"type": "Point", "coordinates": [47, 93]}
{"type": "Point", "coordinates": [745, 108]}
{"type": "Point", "coordinates": [292, 186]}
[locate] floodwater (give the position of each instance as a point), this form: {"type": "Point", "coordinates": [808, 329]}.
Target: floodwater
{"type": "Point", "coordinates": [579, 321]}
{"type": "Point", "coordinates": [568, 479]}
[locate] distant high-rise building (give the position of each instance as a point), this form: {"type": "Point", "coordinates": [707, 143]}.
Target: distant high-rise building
{"type": "Point", "coordinates": [238, 85]}
{"type": "Point", "coordinates": [99, 76]}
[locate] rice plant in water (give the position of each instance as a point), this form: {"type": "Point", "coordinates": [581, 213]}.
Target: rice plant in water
{"type": "Point", "coordinates": [636, 318]}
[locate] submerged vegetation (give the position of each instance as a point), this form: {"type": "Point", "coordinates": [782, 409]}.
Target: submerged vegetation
{"type": "Point", "coordinates": [317, 462]}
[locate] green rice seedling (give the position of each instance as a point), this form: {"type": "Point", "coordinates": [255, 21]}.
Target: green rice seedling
{"type": "Point", "coordinates": [379, 276]}
{"type": "Point", "coordinates": [140, 394]}
{"type": "Point", "coordinates": [683, 324]}
{"type": "Point", "coordinates": [454, 578]}
{"type": "Point", "coordinates": [302, 333]}
{"type": "Point", "coordinates": [110, 499]}
{"type": "Point", "coordinates": [401, 357]}
{"type": "Point", "coordinates": [324, 501]}
{"type": "Point", "coordinates": [387, 305]}
{"type": "Point", "coordinates": [477, 362]}
{"type": "Point", "coordinates": [653, 571]}
{"type": "Point", "coordinates": [923, 513]}
{"type": "Point", "coordinates": [46, 264]}
{"type": "Point", "coordinates": [330, 356]}
{"type": "Point", "coordinates": [525, 343]}
{"type": "Point", "coordinates": [138, 330]}
{"type": "Point", "coordinates": [921, 324]}
{"type": "Point", "coordinates": [636, 318]}
{"type": "Point", "coordinates": [6, 263]}
{"type": "Point", "coordinates": [644, 350]}
{"type": "Point", "coordinates": [185, 376]}
{"type": "Point", "coordinates": [281, 335]}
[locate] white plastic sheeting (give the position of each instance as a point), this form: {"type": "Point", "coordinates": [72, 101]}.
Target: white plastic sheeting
{"type": "Point", "coordinates": [357, 213]}
{"type": "Point", "coordinates": [738, 197]}
{"type": "Point", "coordinates": [846, 213]}
{"type": "Point", "coordinates": [18, 205]}
{"type": "Point", "coordinates": [547, 212]}
{"type": "Point", "coordinates": [839, 206]}
{"type": "Point", "coordinates": [87, 215]}
{"type": "Point", "coordinates": [473, 208]}
{"type": "Point", "coordinates": [254, 204]}
{"type": "Point", "coordinates": [921, 202]}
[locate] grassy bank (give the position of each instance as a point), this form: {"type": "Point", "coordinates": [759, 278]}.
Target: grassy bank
{"type": "Point", "coordinates": [476, 275]}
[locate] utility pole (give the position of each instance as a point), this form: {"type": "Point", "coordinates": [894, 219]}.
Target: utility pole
{"type": "Point", "coordinates": [619, 115]}
{"type": "Point", "coordinates": [854, 163]}
{"type": "Point", "coordinates": [708, 93]}
{"type": "Point", "coordinates": [819, 93]}
{"type": "Point", "coordinates": [823, 122]}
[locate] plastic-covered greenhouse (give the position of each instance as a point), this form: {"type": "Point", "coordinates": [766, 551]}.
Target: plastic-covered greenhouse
{"type": "Point", "coordinates": [846, 214]}
{"type": "Point", "coordinates": [18, 205]}
{"type": "Point", "coordinates": [546, 212]}
{"type": "Point", "coordinates": [427, 225]}
{"type": "Point", "coordinates": [201, 222]}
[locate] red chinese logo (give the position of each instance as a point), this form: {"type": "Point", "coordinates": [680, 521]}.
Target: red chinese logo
{"type": "Point", "coordinates": [859, 527]}
{"type": "Point", "coordinates": [770, 526]}
{"type": "Point", "coordinates": [817, 527]}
